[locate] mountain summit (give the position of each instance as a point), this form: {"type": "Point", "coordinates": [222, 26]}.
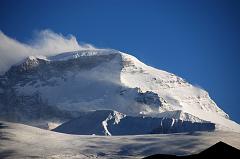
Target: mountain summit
{"type": "Point", "coordinates": [59, 88]}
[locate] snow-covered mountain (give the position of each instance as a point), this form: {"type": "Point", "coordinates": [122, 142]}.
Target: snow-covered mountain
{"type": "Point", "coordinates": [58, 88]}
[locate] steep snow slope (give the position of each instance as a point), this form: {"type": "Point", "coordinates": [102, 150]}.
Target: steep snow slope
{"type": "Point", "coordinates": [108, 122]}
{"type": "Point", "coordinates": [21, 141]}
{"type": "Point", "coordinates": [73, 82]}
{"type": "Point", "coordinates": [179, 96]}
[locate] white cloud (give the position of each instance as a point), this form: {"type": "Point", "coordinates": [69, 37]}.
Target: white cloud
{"type": "Point", "coordinates": [44, 43]}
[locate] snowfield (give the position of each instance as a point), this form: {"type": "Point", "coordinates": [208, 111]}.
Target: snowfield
{"type": "Point", "coordinates": [21, 141]}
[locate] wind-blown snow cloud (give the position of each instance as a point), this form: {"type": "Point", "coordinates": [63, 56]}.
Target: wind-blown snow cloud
{"type": "Point", "coordinates": [44, 43]}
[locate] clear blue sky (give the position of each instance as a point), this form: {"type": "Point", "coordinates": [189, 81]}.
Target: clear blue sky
{"type": "Point", "coordinates": [197, 40]}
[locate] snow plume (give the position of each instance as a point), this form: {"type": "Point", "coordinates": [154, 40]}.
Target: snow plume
{"type": "Point", "coordinates": [45, 42]}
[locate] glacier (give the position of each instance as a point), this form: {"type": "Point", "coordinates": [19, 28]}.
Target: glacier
{"type": "Point", "coordinates": [112, 123]}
